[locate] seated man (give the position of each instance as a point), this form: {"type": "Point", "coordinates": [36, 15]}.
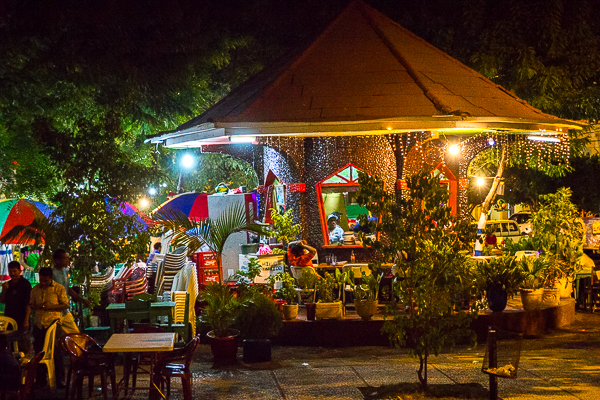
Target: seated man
{"type": "Point", "coordinates": [336, 233]}
{"type": "Point", "coordinates": [300, 254]}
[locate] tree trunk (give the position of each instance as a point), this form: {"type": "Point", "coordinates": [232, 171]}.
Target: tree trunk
{"type": "Point", "coordinates": [422, 372]}
{"type": "Point", "coordinates": [485, 208]}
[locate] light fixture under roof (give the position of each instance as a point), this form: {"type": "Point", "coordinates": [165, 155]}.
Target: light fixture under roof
{"type": "Point", "coordinates": [544, 139]}
{"type": "Point", "coordinates": [242, 139]}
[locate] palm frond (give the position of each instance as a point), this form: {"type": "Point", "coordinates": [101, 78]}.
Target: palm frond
{"type": "Point", "coordinates": [209, 232]}
{"type": "Point", "coordinates": [41, 229]}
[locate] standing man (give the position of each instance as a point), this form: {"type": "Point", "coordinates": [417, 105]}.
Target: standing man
{"type": "Point", "coordinates": [48, 300]}
{"type": "Point", "coordinates": [60, 273]}
{"type": "Point", "coordinates": [157, 250]}
{"type": "Point", "coordinates": [15, 295]}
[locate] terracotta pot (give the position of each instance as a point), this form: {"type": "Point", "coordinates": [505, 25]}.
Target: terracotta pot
{"type": "Point", "coordinates": [290, 311]}
{"type": "Point", "coordinates": [532, 299]}
{"type": "Point", "coordinates": [224, 349]}
{"type": "Point", "coordinates": [365, 309]}
{"type": "Point", "coordinates": [551, 297]}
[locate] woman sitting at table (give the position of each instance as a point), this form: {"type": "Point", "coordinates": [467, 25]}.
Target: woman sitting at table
{"type": "Point", "coordinates": [300, 254]}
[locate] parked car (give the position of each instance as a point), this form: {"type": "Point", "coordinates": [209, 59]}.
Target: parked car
{"type": "Point", "coordinates": [523, 219]}
{"type": "Point", "coordinates": [505, 229]}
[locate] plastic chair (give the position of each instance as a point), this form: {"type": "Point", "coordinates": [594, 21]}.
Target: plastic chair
{"type": "Point", "coordinates": [170, 366]}
{"type": "Point", "coordinates": [137, 311]}
{"type": "Point", "coordinates": [48, 359]}
{"type": "Point", "coordinates": [6, 321]}
{"type": "Point", "coordinates": [134, 361]}
{"type": "Point", "coordinates": [88, 360]}
{"type": "Point", "coordinates": [25, 392]}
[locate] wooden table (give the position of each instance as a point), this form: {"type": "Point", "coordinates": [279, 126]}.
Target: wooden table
{"type": "Point", "coordinates": [116, 311]}
{"type": "Point", "coordinates": [152, 343]}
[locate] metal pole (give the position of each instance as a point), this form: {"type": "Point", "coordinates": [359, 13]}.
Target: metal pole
{"type": "Point", "coordinates": [180, 183]}
{"type": "Point", "coordinates": [493, 363]}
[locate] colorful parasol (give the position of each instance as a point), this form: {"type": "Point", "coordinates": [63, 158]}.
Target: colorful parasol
{"type": "Point", "coordinates": [194, 205]}
{"type": "Point", "coordinates": [130, 209]}
{"type": "Point", "coordinates": [15, 212]}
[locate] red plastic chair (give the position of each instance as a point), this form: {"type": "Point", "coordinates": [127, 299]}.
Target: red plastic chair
{"type": "Point", "coordinates": [176, 364]}
{"type": "Point", "coordinates": [88, 360]}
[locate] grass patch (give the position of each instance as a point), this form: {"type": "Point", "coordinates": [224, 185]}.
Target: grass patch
{"type": "Point", "coordinates": [412, 391]}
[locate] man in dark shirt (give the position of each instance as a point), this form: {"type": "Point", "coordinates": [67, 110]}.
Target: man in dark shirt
{"type": "Point", "coordinates": [15, 296]}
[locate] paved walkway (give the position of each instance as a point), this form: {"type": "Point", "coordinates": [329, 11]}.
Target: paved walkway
{"type": "Point", "coordinates": [564, 364]}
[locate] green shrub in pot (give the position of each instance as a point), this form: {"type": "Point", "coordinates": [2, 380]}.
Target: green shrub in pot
{"type": "Point", "coordinates": [533, 274]}
{"type": "Point", "coordinates": [287, 292]}
{"type": "Point", "coordinates": [221, 308]}
{"type": "Point", "coordinates": [258, 321]}
{"type": "Point", "coordinates": [365, 294]}
{"type": "Point", "coordinates": [498, 277]}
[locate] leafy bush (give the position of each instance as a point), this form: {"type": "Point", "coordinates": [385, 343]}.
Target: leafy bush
{"type": "Point", "coordinates": [287, 291]}
{"type": "Point", "coordinates": [259, 318]}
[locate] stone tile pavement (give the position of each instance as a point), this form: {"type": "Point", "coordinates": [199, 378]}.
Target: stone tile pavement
{"type": "Point", "coordinates": [564, 364]}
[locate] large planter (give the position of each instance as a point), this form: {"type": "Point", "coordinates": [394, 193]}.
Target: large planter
{"type": "Point", "coordinates": [329, 311]}
{"type": "Point", "coordinates": [532, 299]}
{"type": "Point", "coordinates": [496, 297]}
{"type": "Point", "coordinates": [566, 287]}
{"type": "Point", "coordinates": [224, 349]}
{"type": "Point", "coordinates": [290, 311]}
{"type": "Point", "coordinates": [257, 350]}
{"type": "Point", "coordinates": [551, 297]}
{"type": "Point", "coordinates": [365, 309]}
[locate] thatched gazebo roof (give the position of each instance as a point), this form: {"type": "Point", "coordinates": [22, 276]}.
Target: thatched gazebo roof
{"type": "Point", "coordinates": [365, 74]}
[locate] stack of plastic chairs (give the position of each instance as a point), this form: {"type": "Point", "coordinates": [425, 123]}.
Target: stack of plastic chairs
{"type": "Point", "coordinates": [181, 317]}
{"type": "Point", "coordinates": [152, 270]}
{"type": "Point", "coordinates": [137, 283]}
{"type": "Point", "coordinates": [180, 299]}
{"type": "Point", "coordinates": [118, 292]}
{"type": "Point", "coordinates": [103, 283]}
{"type": "Point", "coordinates": [173, 263]}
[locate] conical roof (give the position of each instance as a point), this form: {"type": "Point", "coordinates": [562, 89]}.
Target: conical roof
{"type": "Point", "coordinates": [366, 74]}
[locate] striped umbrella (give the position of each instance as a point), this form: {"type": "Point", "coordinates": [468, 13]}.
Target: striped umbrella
{"type": "Point", "coordinates": [15, 212]}
{"type": "Point", "coordinates": [194, 205]}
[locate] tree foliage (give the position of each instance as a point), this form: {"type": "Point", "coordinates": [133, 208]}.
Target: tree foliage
{"type": "Point", "coordinates": [546, 52]}
{"type": "Point", "coordinates": [419, 234]}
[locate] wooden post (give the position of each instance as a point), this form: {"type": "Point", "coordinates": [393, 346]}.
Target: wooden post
{"type": "Point", "coordinates": [493, 362]}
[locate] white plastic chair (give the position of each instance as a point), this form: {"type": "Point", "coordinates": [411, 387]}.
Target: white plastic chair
{"type": "Point", "coordinates": [48, 359]}
{"type": "Point", "coordinates": [297, 274]}
{"type": "Point", "coordinates": [5, 321]}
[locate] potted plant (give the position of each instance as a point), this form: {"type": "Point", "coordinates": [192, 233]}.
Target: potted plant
{"type": "Point", "coordinates": [308, 283]}
{"type": "Point", "coordinates": [220, 313]}
{"type": "Point", "coordinates": [532, 285]}
{"type": "Point", "coordinates": [366, 294]}
{"type": "Point", "coordinates": [283, 230]}
{"type": "Point", "coordinates": [498, 277]}
{"type": "Point", "coordinates": [287, 292]}
{"type": "Point", "coordinates": [258, 321]}
{"type": "Point", "coordinates": [326, 306]}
